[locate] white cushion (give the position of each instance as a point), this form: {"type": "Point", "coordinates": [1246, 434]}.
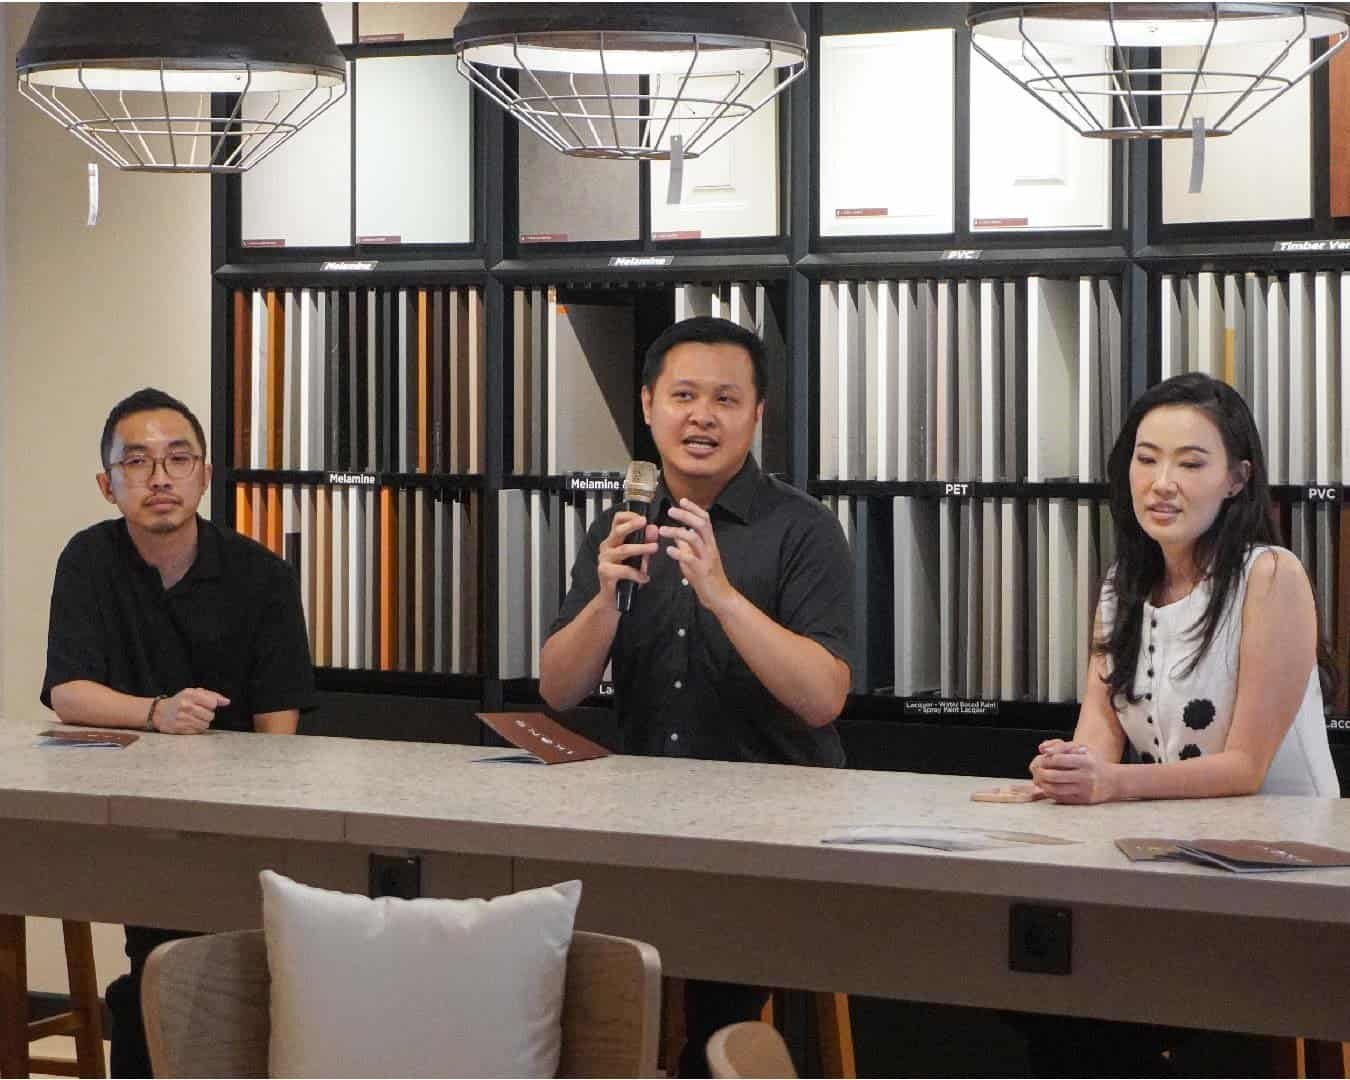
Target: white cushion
{"type": "Point", "coordinates": [390, 987]}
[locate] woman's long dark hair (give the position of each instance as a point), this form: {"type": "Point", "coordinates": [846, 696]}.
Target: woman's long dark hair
{"type": "Point", "coordinates": [1220, 553]}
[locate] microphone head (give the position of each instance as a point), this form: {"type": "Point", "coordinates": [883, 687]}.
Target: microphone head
{"type": "Point", "coordinates": [639, 483]}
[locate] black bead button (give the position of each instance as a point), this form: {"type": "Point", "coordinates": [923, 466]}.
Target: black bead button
{"type": "Point", "coordinates": [1150, 719]}
{"type": "Point", "coordinates": [1149, 697]}
{"type": "Point", "coordinates": [1150, 673]}
{"type": "Point", "coordinates": [1155, 624]}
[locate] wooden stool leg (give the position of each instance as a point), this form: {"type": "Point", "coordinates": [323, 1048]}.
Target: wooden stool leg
{"type": "Point", "coordinates": [672, 1023]}
{"type": "Point", "coordinates": [836, 1035]}
{"type": "Point", "coordinates": [84, 998]}
{"type": "Point", "coordinates": [1321, 1059]}
{"type": "Point", "coordinates": [13, 997]}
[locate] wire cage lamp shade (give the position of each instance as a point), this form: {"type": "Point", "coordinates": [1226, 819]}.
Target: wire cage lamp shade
{"type": "Point", "coordinates": [176, 87]}
{"type": "Point", "coordinates": [630, 81]}
{"type": "Point", "coordinates": [1156, 70]}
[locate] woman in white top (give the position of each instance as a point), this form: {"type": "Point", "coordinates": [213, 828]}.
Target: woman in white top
{"type": "Point", "coordinates": [1206, 652]}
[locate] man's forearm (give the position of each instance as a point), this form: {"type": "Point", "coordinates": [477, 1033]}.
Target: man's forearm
{"type": "Point", "coordinates": [83, 701]}
{"type": "Point", "coordinates": [573, 659]}
{"type": "Point", "coordinates": [799, 672]}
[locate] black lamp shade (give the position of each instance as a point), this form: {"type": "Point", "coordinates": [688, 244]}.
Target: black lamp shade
{"type": "Point", "coordinates": [642, 26]}
{"type": "Point", "coordinates": [292, 37]}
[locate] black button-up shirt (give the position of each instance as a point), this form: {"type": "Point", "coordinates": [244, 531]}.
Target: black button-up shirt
{"type": "Point", "coordinates": [233, 624]}
{"type": "Point", "coordinates": [680, 686]}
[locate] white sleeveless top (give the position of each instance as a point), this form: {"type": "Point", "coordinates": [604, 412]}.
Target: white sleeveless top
{"type": "Point", "coordinates": [1180, 715]}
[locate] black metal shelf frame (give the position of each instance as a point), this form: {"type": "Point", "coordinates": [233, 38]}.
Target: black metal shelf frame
{"type": "Point", "coordinates": [1137, 249]}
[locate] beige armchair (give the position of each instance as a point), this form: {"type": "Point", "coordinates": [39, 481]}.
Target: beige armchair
{"type": "Point", "coordinates": [206, 1003]}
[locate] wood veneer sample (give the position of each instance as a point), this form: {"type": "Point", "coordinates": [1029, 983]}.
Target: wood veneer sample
{"type": "Point", "coordinates": [422, 583]}
{"type": "Point", "coordinates": [323, 576]}
{"type": "Point", "coordinates": [308, 529]}
{"type": "Point", "coordinates": [272, 537]}
{"type": "Point", "coordinates": [437, 456]}
{"type": "Point", "coordinates": [1339, 80]}
{"type": "Point", "coordinates": [276, 376]}
{"type": "Point", "coordinates": [477, 365]}
{"type": "Point", "coordinates": [1342, 638]}
{"type": "Point", "coordinates": [388, 581]}
{"type": "Point", "coordinates": [258, 496]}
{"type": "Point", "coordinates": [423, 379]}
{"type": "Point", "coordinates": [257, 398]}
{"type": "Point", "coordinates": [243, 350]}
{"type": "Point", "coordinates": [243, 510]}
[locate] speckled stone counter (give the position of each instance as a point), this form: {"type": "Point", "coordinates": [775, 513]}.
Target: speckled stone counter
{"type": "Point", "coordinates": [719, 865]}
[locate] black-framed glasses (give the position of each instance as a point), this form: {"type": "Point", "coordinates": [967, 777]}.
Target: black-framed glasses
{"type": "Point", "coordinates": [139, 468]}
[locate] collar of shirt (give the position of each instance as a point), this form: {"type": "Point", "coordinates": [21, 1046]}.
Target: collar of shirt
{"type": "Point", "coordinates": [737, 498]}
{"type": "Point", "coordinates": [206, 566]}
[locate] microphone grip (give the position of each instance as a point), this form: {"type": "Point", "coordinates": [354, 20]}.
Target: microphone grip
{"type": "Point", "coordinates": [625, 591]}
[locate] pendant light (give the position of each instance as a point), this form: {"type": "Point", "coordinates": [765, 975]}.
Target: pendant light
{"type": "Point", "coordinates": [209, 88]}
{"type": "Point", "coordinates": [1220, 63]}
{"type": "Point", "coordinates": [630, 81]}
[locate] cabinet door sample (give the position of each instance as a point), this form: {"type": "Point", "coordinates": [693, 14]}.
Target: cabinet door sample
{"type": "Point", "coordinates": [917, 596]}
{"type": "Point", "coordinates": [991, 381]}
{"type": "Point", "coordinates": [1062, 558]}
{"type": "Point", "coordinates": [1302, 407]}
{"type": "Point", "coordinates": [902, 182]}
{"type": "Point", "coordinates": [1014, 454]}
{"type": "Point", "coordinates": [1172, 320]}
{"type": "Point", "coordinates": [1326, 378]}
{"type": "Point", "coordinates": [1014, 613]}
{"type": "Point", "coordinates": [1277, 380]}
{"type": "Point", "coordinates": [851, 423]}
{"type": "Point", "coordinates": [828, 442]}
{"type": "Point", "coordinates": [308, 563]}
{"type": "Point", "coordinates": [356, 578]}
{"type": "Point", "coordinates": [423, 581]}
{"type": "Point", "coordinates": [301, 194]}
{"type": "Point", "coordinates": [1261, 172]}
{"type": "Point", "coordinates": [1029, 169]}
{"type": "Point", "coordinates": [242, 379]}
{"type": "Point", "coordinates": [1052, 378]}
{"type": "Point", "coordinates": [966, 396]}
{"type": "Point", "coordinates": [523, 400]}
{"type": "Point", "coordinates": [729, 189]}
{"type": "Point", "coordinates": [592, 394]}
{"type": "Point", "coordinates": [389, 550]}
{"type": "Point", "coordinates": [290, 397]}
{"type": "Point", "coordinates": [909, 375]}
{"type": "Point", "coordinates": [545, 559]}
{"type": "Point", "coordinates": [993, 598]}
{"type": "Point", "coordinates": [412, 188]}
{"type": "Point", "coordinates": [312, 379]}
{"type": "Point", "coordinates": [338, 580]}
{"type": "Point", "coordinates": [570, 198]}
{"type": "Point", "coordinates": [513, 599]}
{"type": "Point", "coordinates": [951, 597]}
{"type": "Point", "coordinates": [257, 425]}
{"type": "Point", "coordinates": [1254, 306]}
{"type": "Point", "coordinates": [322, 635]}
{"type": "Point", "coordinates": [947, 448]}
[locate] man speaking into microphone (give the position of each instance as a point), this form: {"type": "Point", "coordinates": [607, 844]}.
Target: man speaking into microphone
{"type": "Point", "coordinates": [736, 645]}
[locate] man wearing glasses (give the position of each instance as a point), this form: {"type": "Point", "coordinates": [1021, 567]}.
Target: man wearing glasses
{"type": "Point", "coordinates": [164, 622]}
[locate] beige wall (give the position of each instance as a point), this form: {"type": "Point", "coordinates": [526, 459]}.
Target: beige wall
{"type": "Point", "coordinates": [89, 315]}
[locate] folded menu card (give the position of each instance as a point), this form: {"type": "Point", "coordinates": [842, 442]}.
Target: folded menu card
{"type": "Point", "coordinates": [67, 739]}
{"type": "Point", "coordinates": [936, 837]}
{"type": "Point", "coordinates": [544, 740]}
{"type": "Point", "coordinates": [1239, 856]}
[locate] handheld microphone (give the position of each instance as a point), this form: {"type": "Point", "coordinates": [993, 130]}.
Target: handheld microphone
{"type": "Point", "coordinates": [639, 490]}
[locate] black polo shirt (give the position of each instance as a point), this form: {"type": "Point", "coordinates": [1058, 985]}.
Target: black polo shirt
{"type": "Point", "coordinates": [233, 624]}
{"type": "Point", "coordinates": [680, 687]}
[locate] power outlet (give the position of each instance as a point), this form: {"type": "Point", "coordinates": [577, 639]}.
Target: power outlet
{"type": "Point", "coordinates": [396, 875]}
{"type": "Point", "coordinates": [1040, 939]}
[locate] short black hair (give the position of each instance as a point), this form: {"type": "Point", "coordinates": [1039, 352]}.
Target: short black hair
{"type": "Point", "coordinates": [144, 401]}
{"type": "Point", "coordinates": [708, 331]}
